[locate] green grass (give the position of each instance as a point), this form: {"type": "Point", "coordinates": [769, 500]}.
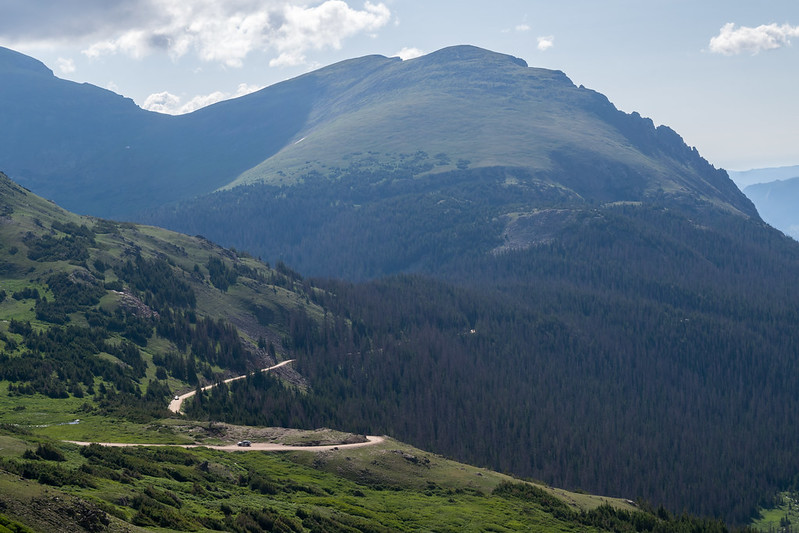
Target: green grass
{"type": "Point", "coordinates": [385, 487]}
{"type": "Point", "coordinates": [395, 464]}
{"type": "Point", "coordinates": [489, 111]}
{"type": "Point", "coordinates": [43, 509]}
{"type": "Point", "coordinates": [785, 512]}
{"type": "Point", "coordinates": [299, 486]}
{"type": "Point", "coordinates": [55, 418]}
{"type": "Point", "coordinates": [37, 410]}
{"type": "Point", "coordinates": [94, 428]}
{"type": "Point", "coordinates": [12, 446]}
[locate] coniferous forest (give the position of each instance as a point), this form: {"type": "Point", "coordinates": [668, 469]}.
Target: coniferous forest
{"type": "Point", "coordinates": [647, 352]}
{"type": "Point", "coordinates": [590, 363]}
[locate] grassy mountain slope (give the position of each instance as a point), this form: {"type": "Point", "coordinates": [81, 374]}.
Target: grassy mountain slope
{"type": "Point", "coordinates": [474, 108]}
{"type": "Point", "coordinates": [385, 488]}
{"type": "Point", "coordinates": [150, 309]}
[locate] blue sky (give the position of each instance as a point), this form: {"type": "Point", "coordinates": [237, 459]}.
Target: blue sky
{"type": "Point", "coordinates": [722, 73]}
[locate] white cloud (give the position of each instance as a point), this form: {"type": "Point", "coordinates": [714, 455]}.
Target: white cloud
{"type": "Point", "coordinates": [246, 88]}
{"type": "Point", "coordinates": [200, 101]}
{"type": "Point", "coordinates": [170, 104]}
{"type": "Point", "coordinates": [163, 102]}
{"type": "Point", "coordinates": [66, 65]}
{"type": "Point", "coordinates": [133, 43]}
{"type": "Point", "coordinates": [732, 40]}
{"type": "Point", "coordinates": [546, 42]}
{"type": "Point", "coordinates": [409, 53]}
{"type": "Point", "coordinates": [321, 27]}
{"type": "Point", "coordinates": [523, 27]}
{"type": "Point", "coordinates": [226, 32]}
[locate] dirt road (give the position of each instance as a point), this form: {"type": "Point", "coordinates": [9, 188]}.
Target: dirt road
{"type": "Point", "coordinates": [176, 404]}
{"type": "Point", "coordinates": [255, 446]}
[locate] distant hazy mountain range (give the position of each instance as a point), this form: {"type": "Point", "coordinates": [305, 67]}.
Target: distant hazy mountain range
{"type": "Point", "coordinates": [745, 178]}
{"type": "Point", "coordinates": [775, 193]}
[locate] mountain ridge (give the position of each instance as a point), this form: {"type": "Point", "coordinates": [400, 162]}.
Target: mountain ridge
{"type": "Point", "coordinates": [96, 152]}
{"type": "Point", "coordinates": [776, 200]}
{"type": "Point", "coordinates": [470, 107]}
{"type": "Point", "coordinates": [12, 59]}
{"type": "Point", "coordinates": [438, 79]}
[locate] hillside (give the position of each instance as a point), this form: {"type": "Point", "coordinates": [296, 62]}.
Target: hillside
{"type": "Point", "coordinates": [136, 312]}
{"type": "Point", "coordinates": [90, 353]}
{"type": "Point", "coordinates": [386, 488]}
{"type": "Point", "coordinates": [641, 350]}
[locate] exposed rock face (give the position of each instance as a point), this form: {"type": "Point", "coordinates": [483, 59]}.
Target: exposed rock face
{"type": "Point", "coordinates": [134, 305]}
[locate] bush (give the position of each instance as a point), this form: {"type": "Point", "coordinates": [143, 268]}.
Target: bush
{"type": "Point", "coordinates": [45, 452]}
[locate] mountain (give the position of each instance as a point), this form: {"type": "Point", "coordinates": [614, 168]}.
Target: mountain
{"type": "Point", "coordinates": [468, 107]}
{"type": "Point", "coordinates": [336, 143]}
{"type": "Point", "coordinates": [745, 178]}
{"type": "Point", "coordinates": [776, 201]}
{"type": "Point", "coordinates": [98, 153]}
{"type": "Point", "coordinates": [101, 322]}
{"type": "Point", "coordinates": [414, 165]}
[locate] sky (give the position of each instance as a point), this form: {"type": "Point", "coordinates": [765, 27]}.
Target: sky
{"type": "Point", "coordinates": [722, 73]}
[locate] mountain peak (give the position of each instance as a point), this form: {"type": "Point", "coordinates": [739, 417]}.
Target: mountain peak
{"type": "Point", "coordinates": [467, 53]}
{"type": "Point", "coordinates": [11, 60]}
